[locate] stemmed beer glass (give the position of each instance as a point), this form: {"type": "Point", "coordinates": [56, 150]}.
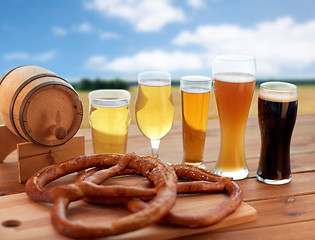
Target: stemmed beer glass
{"type": "Point", "coordinates": [154, 106]}
{"type": "Point", "coordinates": [234, 83]}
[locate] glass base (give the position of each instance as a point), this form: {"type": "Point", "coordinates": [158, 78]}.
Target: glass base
{"type": "Point", "coordinates": [200, 165]}
{"type": "Point", "coordinates": [273, 181]}
{"type": "Point", "coordinates": [236, 175]}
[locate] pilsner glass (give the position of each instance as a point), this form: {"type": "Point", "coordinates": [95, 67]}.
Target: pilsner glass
{"type": "Point", "coordinates": [195, 95]}
{"type": "Point", "coordinates": [277, 110]}
{"type": "Point", "coordinates": [154, 107]}
{"type": "Point", "coordinates": [109, 118]}
{"type": "Point", "coordinates": [234, 82]}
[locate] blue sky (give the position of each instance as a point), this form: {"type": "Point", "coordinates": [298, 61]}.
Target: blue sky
{"type": "Point", "coordinates": [120, 38]}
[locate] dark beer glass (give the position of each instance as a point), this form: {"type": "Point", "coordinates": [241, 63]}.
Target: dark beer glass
{"type": "Point", "coordinates": [277, 111]}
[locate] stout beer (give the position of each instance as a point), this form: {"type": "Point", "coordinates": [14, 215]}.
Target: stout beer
{"type": "Point", "coordinates": [277, 111]}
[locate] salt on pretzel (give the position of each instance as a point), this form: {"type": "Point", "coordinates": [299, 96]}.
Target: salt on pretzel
{"type": "Point", "coordinates": [204, 182]}
{"type": "Point", "coordinates": [159, 173]}
{"type": "Point", "coordinates": [207, 218]}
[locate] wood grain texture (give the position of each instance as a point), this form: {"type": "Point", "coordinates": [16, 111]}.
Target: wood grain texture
{"type": "Point", "coordinates": [286, 210]}
{"type": "Point", "coordinates": [34, 218]}
{"type": "Point", "coordinates": [33, 157]}
{"type": "Point", "coordinates": [35, 102]}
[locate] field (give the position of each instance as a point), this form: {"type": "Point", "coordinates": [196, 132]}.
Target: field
{"type": "Point", "coordinates": [306, 97]}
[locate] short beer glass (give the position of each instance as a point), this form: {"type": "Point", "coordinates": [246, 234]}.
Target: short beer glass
{"type": "Point", "coordinates": [195, 96]}
{"type": "Point", "coordinates": [277, 111]}
{"type": "Point", "coordinates": [234, 79]}
{"type": "Point", "coordinates": [154, 106]}
{"type": "Point", "coordinates": [109, 118]}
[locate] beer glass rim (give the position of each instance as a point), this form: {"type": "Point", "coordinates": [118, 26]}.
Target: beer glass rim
{"type": "Point", "coordinates": [276, 86]}
{"type": "Point", "coordinates": [154, 75]}
{"type": "Point", "coordinates": [234, 57]}
{"type": "Point", "coordinates": [196, 78]}
{"type": "Point", "coordinates": [116, 94]}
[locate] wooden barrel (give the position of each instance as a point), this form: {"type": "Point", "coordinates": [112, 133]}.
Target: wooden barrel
{"type": "Point", "coordinates": [39, 106]}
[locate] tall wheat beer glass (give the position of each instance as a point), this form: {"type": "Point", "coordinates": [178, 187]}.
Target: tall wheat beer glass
{"type": "Point", "coordinates": [195, 95]}
{"type": "Point", "coordinates": [234, 82]}
{"type": "Point", "coordinates": [277, 110]}
{"type": "Point", "coordinates": [109, 119]}
{"type": "Point", "coordinates": [154, 107]}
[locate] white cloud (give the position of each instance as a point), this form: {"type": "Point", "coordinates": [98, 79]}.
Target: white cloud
{"type": "Point", "coordinates": [151, 60]}
{"type": "Point", "coordinates": [109, 35]}
{"type": "Point", "coordinates": [84, 27]}
{"type": "Point", "coordinates": [59, 31]}
{"type": "Point", "coordinates": [276, 45]}
{"type": "Point", "coordinates": [46, 56]}
{"type": "Point", "coordinates": [195, 3]}
{"type": "Point", "coordinates": [16, 56]}
{"type": "Point", "coordinates": [144, 15]}
{"type": "Point", "coordinates": [97, 62]}
{"type": "Point", "coordinates": [41, 57]}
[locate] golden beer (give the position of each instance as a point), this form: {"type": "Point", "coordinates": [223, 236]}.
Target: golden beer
{"type": "Point", "coordinates": [233, 92]}
{"type": "Point", "coordinates": [195, 105]}
{"type": "Point", "coordinates": [154, 108]}
{"type": "Point", "coordinates": [109, 119]}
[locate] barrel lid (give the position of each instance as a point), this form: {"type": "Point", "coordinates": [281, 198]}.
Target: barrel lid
{"type": "Point", "coordinates": [51, 114]}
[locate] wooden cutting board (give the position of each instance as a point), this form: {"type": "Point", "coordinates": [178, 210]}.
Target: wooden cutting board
{"type": "Point", "coordinates": [22, 218]}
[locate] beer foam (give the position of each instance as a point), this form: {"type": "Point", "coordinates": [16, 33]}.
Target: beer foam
{"type": "Point", "coordinates": [278, 92]}
{"type": "Point", "coordinates": [234, 77]}
{"type": "Point", "coordinates": [109, 102]}
{"type": "Point", "coordinates": [195, 90]}
{"type": "Point", "coordinates": [276, 97]}
{"type": "Point", "coordinates": [196, 78]}
{"type": "Point", "coordinates": [155, 82]}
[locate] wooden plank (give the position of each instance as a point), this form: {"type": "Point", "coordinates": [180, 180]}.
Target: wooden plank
{"type": "Point", "coordinates": [301, 184]}
{"type": "Point", "coordinates": [171, 151]}
{"type": "Point", "coordinates": [293, 231]}
{"type": "Point", "coordinates": [9, 179]}
{"type": "Point", "coordinates": [33, 157]}
{"type": "Point", "coordinates": [281, 211]}
{"type": "Point", "coordinates": [8, 142]}
{"type": "Point", "coordinates": [275, 216]}
{"type": "Point", "coordinates": [275, 211]}
{"type": "Point", "coordinates": [33, 219]}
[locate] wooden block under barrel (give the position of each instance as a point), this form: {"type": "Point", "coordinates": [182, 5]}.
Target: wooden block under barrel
{"type": "Point", "coordinates": [33, 157]}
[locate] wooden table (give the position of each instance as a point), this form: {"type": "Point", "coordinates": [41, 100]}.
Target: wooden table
{"type": "Point", "coordinates": [283, 212]}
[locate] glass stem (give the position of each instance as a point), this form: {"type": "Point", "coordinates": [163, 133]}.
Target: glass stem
{"type": "Point", "coordinates": [155, 147]}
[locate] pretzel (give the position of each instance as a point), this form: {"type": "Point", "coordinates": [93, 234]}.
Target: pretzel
{"type": "Point", "coordinates": [205, 182]}
{"type": "Point", "coordinates": [205, 219]}
{"type": "Point", "coordinates": [159, 173]}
